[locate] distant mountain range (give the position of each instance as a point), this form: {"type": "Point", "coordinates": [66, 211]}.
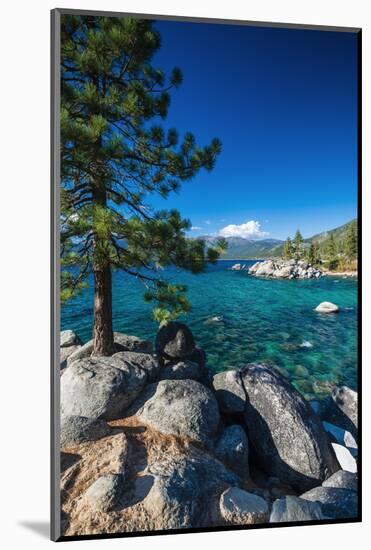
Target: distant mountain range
{"type": "Point", "coordinates": [247, 249]}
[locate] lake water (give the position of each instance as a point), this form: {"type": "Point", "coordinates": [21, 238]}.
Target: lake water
{"type": "Point", "coordinates": [271, 321]}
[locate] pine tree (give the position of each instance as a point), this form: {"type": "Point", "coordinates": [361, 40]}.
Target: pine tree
{"type": "Point", "coordinates": [351, 242]}
{"type": "Point", "coordinates": [332, 252]}
{"type": "Point", "coordinates": [316, 253]}
{"type": "Point", "coordinates": [112, 160]}
{"type": "Point", "coordinates": [331, 247]}
{"type": "Point", "coordinates": [312, 254]}
{"type": "Point", "coordinates": [288, 249]}
{"type": "Point", "coordinates": [298, 240]}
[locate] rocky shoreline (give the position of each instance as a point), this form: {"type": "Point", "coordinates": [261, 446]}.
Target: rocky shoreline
{"type": "Point", "coordinates": [282, 269]}
{"type": "Point", "coordinates": [150, 440]}
{"type": "Point", "coordinates": [289, 269]}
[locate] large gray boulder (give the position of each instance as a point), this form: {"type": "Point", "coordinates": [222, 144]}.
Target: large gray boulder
{"type": "Point", "coordinates": [342, 480]}
{"type": "Point", "coordinates": [185, 489]}
{"type": "Point", "coordinates": [106, 492]}
{"type": "Point", "coordinates": [291, 508]}
{"type": "Point", "coordinates": [342, 409]}
{"type": "Point", "coordinates": [100, 387]}
{"type": "Point", "coordinates": [132, 343]}
{"type": "Point", "coordinates": [347, 401]}
{"type": "Point", "coordinates": [327, 307]}
{"type": "Point", "coordinates": [335, 502]}
{"type": "Point", "coordinates": [65, 353]}
{"type": "Point", "coordinates": [184, 408]}
{"type": "Point", "coordinates": [148, 363]}
{"type": "Point", "coordinates": [284, 432]}
{"type": "Point", "coordinates": [283, 272]}
{"type": "Point", "coordinates": [78, 429]}
{"type": "Point", "coordinates": [181, 370]}
{"type": "Point", "coordinates": [239, 507]}
{"type": "Point", "coordinates": [174, 341]}
{"type": "Point", "coordinates": [123, 342]}
{"type": "Point", "coordinates": [229, 391]}
{"type": "Point", "coordinates": [232, 448]}
{"type": "Point", "coordinates": [69, 338]}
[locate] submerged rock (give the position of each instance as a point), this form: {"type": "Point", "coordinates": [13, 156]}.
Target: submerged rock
{"type": "Point", "coordinates": [184, 408]}
{"type": "Point", "coordinates": [174, 341]}
{"type": "Point", "coordinates": [327, 307]}
{"type": "Point", "coordinates": [239, 507]}
{"type": "Point", "coordinates": [77, 429]}
{"type": "Point", "coordinates": [291, 508]}
{"type": "Point", "coordinates": [100, 387]}
{"type": "Point", "coordinates": [276, 415]}
{"type": "Point", "coordinates": [336, 503]}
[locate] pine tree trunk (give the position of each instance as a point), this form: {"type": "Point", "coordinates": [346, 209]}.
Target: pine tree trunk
{"type": "Point", "coordinates": [103, 343]}
{"type": "Point", "coordinates": [102, 333]}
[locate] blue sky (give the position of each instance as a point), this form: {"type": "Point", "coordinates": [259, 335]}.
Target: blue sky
{"type": "Point", "coordinates": [284, 104]}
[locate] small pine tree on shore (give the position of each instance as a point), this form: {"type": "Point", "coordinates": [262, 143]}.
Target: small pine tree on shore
{"type": "Point", "coordinates": [298, 241]}
{"type": "Point", "coordinates": [332, 252]}
{"type": "Point", "coordinates": [311, 254]}
{"type": "Point", "coordinates": [288, 249]}
{"type": "Point", "coordinates": [314, 253]}
{"type": "Point", "coordinates": [350, 246]}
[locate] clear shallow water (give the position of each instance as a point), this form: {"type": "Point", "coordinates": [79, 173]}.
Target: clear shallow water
{"type": "Point", "coordinates": [260, 320]}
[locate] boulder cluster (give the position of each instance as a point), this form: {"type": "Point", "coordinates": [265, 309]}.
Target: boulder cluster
{"type": "Point", "coordinates": [285, 269]}
{"type": "Point", "coordinates": [151, 441]}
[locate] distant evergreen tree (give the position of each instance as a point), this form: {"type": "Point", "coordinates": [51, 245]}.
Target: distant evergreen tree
{"type": "Point", "coordinates": [112, 160]}
{"type": "Point", "coordinates": [298, 241]}
{"type": "Point", "coordinates": [332, 252]}
{"type": "Point", "coordinates": [288, 250]}
{"type": "Point", "coordinates": [331, 247]}
{"type": "Point", "coordinates": [316, 253]}
{"type": "Point", "coordinates": [312, 254]}
{"type": "Point", "coordinates": [350, 245]}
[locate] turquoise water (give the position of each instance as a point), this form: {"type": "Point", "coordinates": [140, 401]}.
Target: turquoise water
{"type": "Point", "coordinates": [258, 320]}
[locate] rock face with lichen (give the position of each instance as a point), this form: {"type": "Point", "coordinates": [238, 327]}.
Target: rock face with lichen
{"type": "Point", "coordinates": [150, 442]}
{"type": "Point", "coordinates": [283, 430]}
{"type": "Point", "coordinates": [184, 408]}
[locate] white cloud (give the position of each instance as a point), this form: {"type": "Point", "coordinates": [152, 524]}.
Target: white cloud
{"type": "Point", "coordinates": [195, 228]}
{"type": "Point", "coordinates": [208, 222]}
{"type": "Point", "coordinates": [248, 230]}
